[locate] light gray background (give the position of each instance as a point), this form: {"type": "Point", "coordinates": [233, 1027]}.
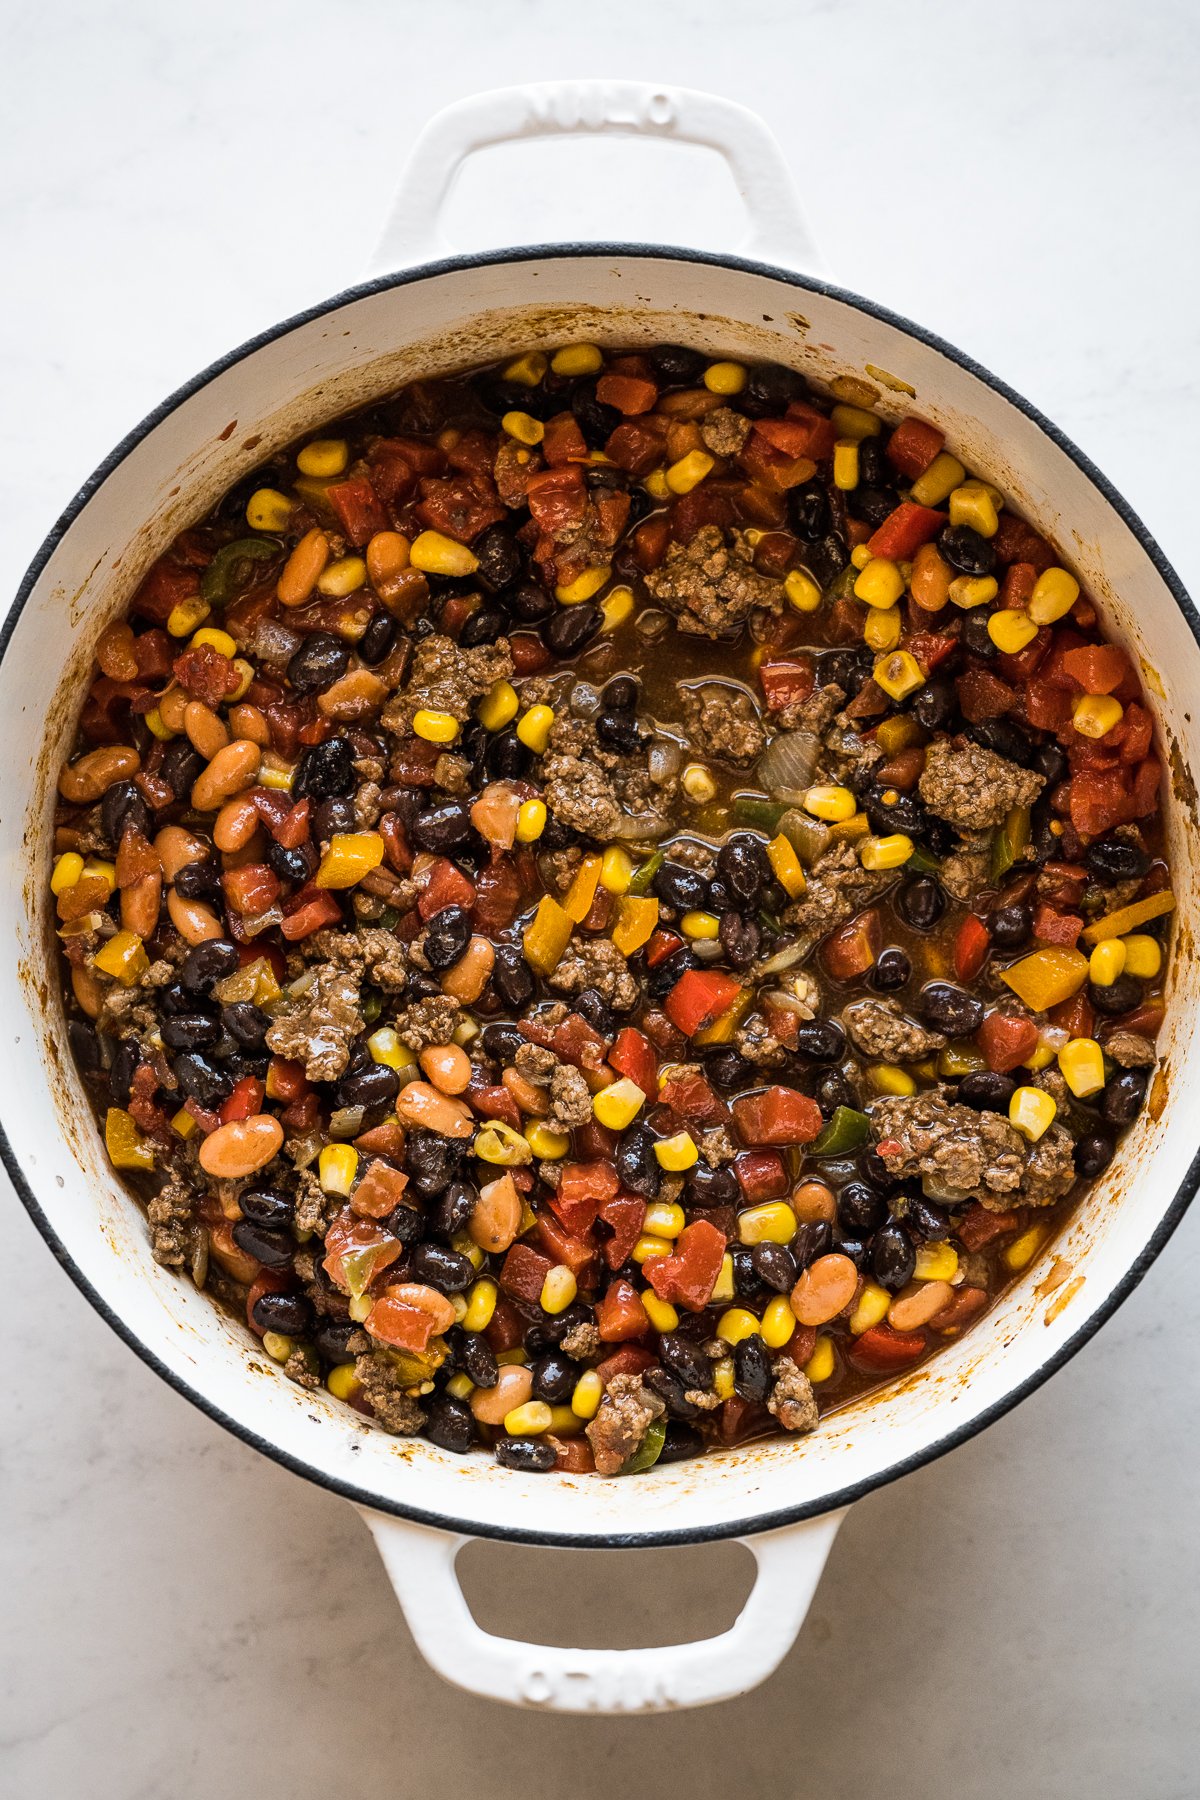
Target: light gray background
{"type": "Point", "coordinates": [182, 1618]}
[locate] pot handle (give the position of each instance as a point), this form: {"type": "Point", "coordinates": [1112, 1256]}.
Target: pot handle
{"type": "Point", "coordinates": [420, 1563]}
{"type": "Point", "coordinates": [777, 230]}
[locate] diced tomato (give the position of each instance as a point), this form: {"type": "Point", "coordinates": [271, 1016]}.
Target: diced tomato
{"type": "Point", "coordinates": [382, 1140]}
{"type": "Point", "coordinates": [206, 675]}
{"type": "Point", "coordinates": [563, 442]}
{"type": "Point", "coordinates": [761, 1175]}
{"type": "Point", "coordinates": [821, 430]}
{"type": "Point", "coordinates": [286, 1080]}
{"type": "Point", "coordinates": [905, 529]}
{"type": "Point", "coordinates": [627, 393]}
{"type": "Point", "coordinates": [594, 1142]}
{"type": "Point", "coordinates": [777, 1115]}
{"type": "Point", "coordinates": [956, 1315]}
{"type": "Point", "coordinates": [1006, 1040]}
{"type": "Point", "coordinates": [1098, 801]}
{"type": "Point", "coordinates": [688, 1275]}
{"type": "Point", "coordinates": [392, 474]}
{"type": "Point", "coordinates": [783, 1025]}
{"type": "Point", "coordinates": [786, 683]}
{"type": "Point", "coordinates": [572, 1455]}
{"type": "Point", "coordinates": [361, 513]}
{"type": "Point", "coordinates": [624, 1215]}
{"type": "Point", "coordinates": [1047, 707]}
{"type": "Point", "coordinates": [309, 910]}
{"type": "Point", "coordinates": [693, 1099]}
{"type": "Point", "coordinates": [662, 945]}
{"type": "Point", "coordinates": [882, 1350]}
{"type": "Point", "coordinates": [1015, 541]}
{"type": "Point", "coordinates": [494, 1102]}
{"type": "Point", "coordinates": [977, 1227]}
{"type": "Point", "coordinates": [632, 1055]}
{"type": "Point", "coordinates": [1147, 781]}
{"type": "Point", "coordinates": [575, 1253]}
{"type": "Point", "coordinates": [523, 1273]}
{"type": "Point", "coordinates": [913, 446]}
{"type": "Point", "coordinates": [982, 695]}
{"type": "Point", "coordinates": [558, 498]}
{"type": "Point", "coordinates": [358, 1245]}
{"type": "Point", "coordinates": [1137, 733]}
{"type": "Point", "coordinates": [453, 506]}
{"type": "Point", "coordinates": [252, 889]}
{"type": "Point", "coordinates": [245, 1099]}
{"type": "Point", "coordinates": [1016, 590]}
{"type": "Point", "coordinates": [1018, 666]}
{"type": "Point", "coordinates": [394, 1322]}
{"type": "Point", "coordinates": [442, 884]}
{"type": "Point", "coordinates": [853, 948]}
{"type": "Point", "coordinates": [164, 585]}
{"type": "Point", "coordinates": [619, 1313]}
{"type": "Point", "coordinates": [499, 895]}
{"type": "Point", "coordinates": [1075, 1016]}
{"type": "Point", "coordinates": [1051, 927]}
{"type": "Point", "coordinates": [577, 1042]}
{"type": "Point", "coordinates": [971, 945]}
{"type": "Point", "coordinates": [636, 446]}
{"type": "Point", "coordinates": [931, 648]}
{"type": "Point", "coordinates": [379, 1192]}
{"type": "Point", "coordinates": [712, 503]}
{"type": "Point", "coordinates": [153, 651]}
{"type": "Point", "coordinates": [630, 1359]}
{"type": "Point", "coordinates": [582, 1188]}
{"type": "Point", "coordinates": [1098, 668]}
{"type": "Point", "coordinates": [1145, 1019]}
{"type": "Point", "coordinates": [699, 997]}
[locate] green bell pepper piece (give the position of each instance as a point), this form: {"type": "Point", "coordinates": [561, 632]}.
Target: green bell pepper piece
{"type": "Point", "coordinates": [1009, 843]}
{"type": "Point", "coordinates": [847, 1130]}
{"type": "Point", "coordinates": [649, 1450]}
{"type": "Point", "coordinates": [761, 815]}
{"type": "Point", "coordinates": [921, 863]}
{"type": "Point", "coordinates": [645, 873]}
{"type": "Point", "coordinates": [231, 568]}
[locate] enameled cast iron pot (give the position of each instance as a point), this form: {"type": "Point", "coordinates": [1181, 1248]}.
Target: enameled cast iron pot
{"type": "Point", "coordinates": [784, 1497]}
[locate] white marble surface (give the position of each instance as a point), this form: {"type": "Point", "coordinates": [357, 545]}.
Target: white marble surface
{"type": "Point", "coordinates": [181, 1617]}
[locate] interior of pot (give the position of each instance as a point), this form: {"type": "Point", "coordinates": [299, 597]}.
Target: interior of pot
{"type": "Point", "coordinates": [166, 476]}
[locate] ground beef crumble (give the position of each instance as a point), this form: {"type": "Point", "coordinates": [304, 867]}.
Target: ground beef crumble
{"type": "Point", "coordinates": [583, 1341]}
{"type": "Point", "coordinates": [710, 587]}
{"type": "Point", "coordinates": [431, 1021]}
{"type": "Point", "coordinates": [596, 963]}
{"type": "Point", "coordinates": [965, 1155]}
{"type": "Point", "coordinates": [723, 724]}
{"type": "Point", "coordinates": [395, 1410]}
{"type": "Point", "coordinates": [973, 788]}
{"type": "Point", "coordinates": [446, 678]}
{"type": "Point", "coordinates": [370, 952]}
{"type": "Point", "coordinates": [173, 1227]}
{"type": "Point", "coordinates": [616, 1432]}
{"type": "Point", "coordinates": [879, 1028]}
{"type": "Point", "coordinates": [318, 1026]}
{"type": "Point", "coordinates": [838, 886]}
{"type": "Point", "coordinates": [724, 431]}
{"type": "Point", "coordinates": [792, 1400]}
{"type": "Point", "coordinates": [968, 868]}
{"type": "Point", "coordinates": [1130, 1049]}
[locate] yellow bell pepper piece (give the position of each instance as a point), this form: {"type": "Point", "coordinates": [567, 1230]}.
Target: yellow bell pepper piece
{"type": "Point", "coordinates": [785, 865]}
{"type": "Point", "coordinates": [350, 856]}
{"type": "Point", "coordinates": [1046, 977]}
{"type": "Point", "coordinates": [722, 1029]}
{"type": "Point", "coordinates": [1128, 918]}
{"type": "Point", "coordinates": [636, 922]}
{"type": "Point", "coordinates": [548, 936]}
{"type": "Point", "coordinates": [124, 957]}
{"type": "Point", "coordinates": [127, 1148]}
{"type": "Point", "coordinates": [582, 891]}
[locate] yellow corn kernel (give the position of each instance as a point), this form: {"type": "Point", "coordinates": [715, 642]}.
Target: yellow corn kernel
{"type": "Point", "coordinates": [676, 1153]}
{"type": "Point", "coordinates": [1054, 594]}
{"type": "Point", "coordinates": [527, 370]}
{"type": "Point", "coordinates": [664, 1219]}
{"type": "Point", "coordinates": [186, 615]}
{"type": "Point", "coordinates": [345, 576]}
{"type": "Point", "coordinates": [524, 427]}
{"type": "Point", "coordinates": [860, 556]}
{"type": "Point", "coordinates": [546, 1144]}
{"type": "Point", "coordinates": [890, 1078]}
{"type": "Point", "coordinates": [499, 706]}
{"type": "Point", "coordinates": [723, 1375]}
{"type": "Point", "coordinates": [350, 856]}
{"type": "Point", "coordinates": [786, 867]}
{"type": "Point", "coordinates": [973, 590]}
{"type": "Point", "coordinates": [881, 628]}
{"type": "Point", "coordinates": [855, 422]}
{"type": "Point", "coordinates": [845, 464]}
{"type": "Point", "coordinates": [1021, 1252]}
{"type": "Point", "coordinates": [500, 1144]}
{"type": "Point", "coordinates": [1010, 630]}
{"type": "Point", "coordinates": [801, 590]}
{"type": "Point", "coordinates": [778, 1322]}
{"type": "Point", "coordinates": [1040, 1057]}
{"type": "Point", "coordinates": [127, 1148]}
{"type": "Point", "coordinates": [268, 510]}
{"type": "Point", "coordinates": [531, 821]}
{"type": "Point", "coordinates": [460, 1386]}
{"type": "Point", "coordinates": [436, 554]}
{"type": "Point", "coordinates": [1107, 961]}
{"type": "Point", "coordinates": [689, 471]}
{"type": "Point", "coordinates": [1032, 1111]}
{"type": "Point", "coordinates": [1093, 715]}
{"type": "Point", "coordinates": [830, 803]}
{"type": "Point", "coordinates": [616, 870]}
{"type": "Point", "coordinates": [123, 957]}
{"type": "Point", "coordinates": [1143, 956]}
{"type": "Point", "coordinates": [435, 727]}
{"type": "Point", "coordinates": [337, 1166]}
{"type": "Point", "coordinates": [246, 672]}
{"type": "Point", "coordinates": [587, 1395]}
{"type": "Point", "coordinates": [655, 485]}
{"type": "Point", "coordinates": [899, 674]}
{"type": "Point", "coordinates": [342, 1382]}
{"type": "Point", "coordinates": [619, 1104]}
{"type": "Point", "coordinates": [616, 607]}
{"type": "Point", "coordinates": [821, 1363]}
{"type": "Point", "coordinates": [577, 359]}
{"type": "Point", "coordinates": [558, 1289]}
{"type": "Point", "coordinates": [723, 1286]}
{"type": "Point", "coordinates": [66, 872]}
{"type": "Point", "coordinates": [890, 852]}
{"type": "Point", "coordinates": [701, 925]}
{"type": "Point", "coordinates": [324, 457]}
{"type": "Point", "coordinates": [528, 1420]}
{"type": "Point", "coordinates": [637, 919]}
{"type": "Point", "coordinates": [277, 1346]}
{"type": "Point", "coordinates": [385, 1047]}
{"type": "Point", "coordinates": [736, 1324]}
{"type": "Point", "coordinates": [880, 583]}
{"type": "Point", "coordinates": [939, 481]}
{"type": "Point", "coordinates": [216, 640]}
{"type": "Point", "coordinates": [773, 1222]}
{"type": "Point", "coordinates": [481, 1304]}
{"type": "Point", "coordinates": [461, 1242]}
{"type": "Point", "coordinates": [158, 725]}
{"type": "Point", "coordinates": [661, 1313]}
{"type": "Point", "coordinates": [936, 1262]}
{"type": "Point", "coordinates": [972, 504]}
{"type": "Point", "coordinates": [1082, 1065]}
{"type": "Point", "coordinates": [584, 586]}
{"type": "Point", "coordinates": [698, 784]}
{"type": "Point", "coordinates": [648, 1246]}
{"type": "Point", "coordinates": [533, 728]}
{"type": "Point", "coordinates": [725, 377]}
{"type": "Point", "coordinates": [870, 1308]}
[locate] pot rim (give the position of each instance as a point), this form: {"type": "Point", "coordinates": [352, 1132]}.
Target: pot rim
{"type": "Point", "coordinates": [724, 1529]}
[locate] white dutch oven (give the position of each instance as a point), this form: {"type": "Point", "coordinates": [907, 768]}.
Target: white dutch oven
{"type": "Point", "coordinates": [784, 1498]}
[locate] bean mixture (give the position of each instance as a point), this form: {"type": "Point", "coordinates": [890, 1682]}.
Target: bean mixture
{"type": "Point", "coordinates": [610, 903]}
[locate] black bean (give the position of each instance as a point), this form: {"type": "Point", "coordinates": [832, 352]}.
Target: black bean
{"type": "Point", "coordinates": [1004, 737]}
{"type": "Point", "coordinates": [743, 866]}
{"type": "Point", "coordinates": [446, 937]}
{"type": "Point", "coordinates": [752, 1377]}
{"type": "Point", "coordinates": [455, 1207]}
{"type": "Point", "coordinates": [483, 626]}
{"type": "Point", "coordinates": [1119, 996]}
{"type": "Point", "coordinates": [180, 766]}
{"type": "Point", "coordinates": [501, 396]}
{"type": "Point", "coordinates": [199, 881]}
{"type": "Point", "coordinates": [927, 1222]}
{"type": "Point", "coordinates": [200, 1080]}
{"type": "Point", "coordinates": [873, 465]}
{"type": "Point", "coordinates": [636, 1163]}
{"type": "Point", "coordinates": [294, 863]}
{"type": "Point", "coordinates": [662, 977]}
{"type": "Point", "coordinates": [431, 1161]}
{"type": "Point", "coordinates": [290, 1314]}
{"type": "Point", "coordinates": [333, 816]}
{"type": "Point", "coordinates": [728, 1070]}
{"type": "Point", "coordinates": [671, 1391]}
{"type": "Point", "coordinates": [529, 603]}
{"type": "Point", "coordinates": [1051, 762]}
{"type": "Point", "coordinates": [741, 939]}
{"type": "Point", "coordinates": [441, 828]}
{"type": "Point", "coordinates": [1092, 1156]}
{"type": "Point", "coordinates": [893, 1257]}
{"type": "Point", "coordinates": [769, 389]}
{"type": "Point", "coordinates": [619, 731]}
{"type": "Point", "coordinates": [862, 1209]}
{"type": "Point", "coordinates": [1121, 1100]}
{"type": "Point", "coordinates": [921, 902]}
{"type": "Point", "coordinates": [189, 1031]}
{"type": "Point", "coordinates": [379, 639]}
{"type": "Point", "coordinates": [595, 420]}
{"type": "Point", "coordinates": [325, 770]}
{"type": "Point", "coordinates": [892, 970]}
{"type": "Point", "coordinates": [333, 1339]}
{"type": "Point", "coordinates": [85, 1047]}
{"type": "Point", "coordinates": [903, 812]}
{"type": "Point", "coordinates": [812, 1239]}
{"type": "Point", "coordinates": [371, 1086]}
{"type": "Point", "coordinates": [950, 1009]}
{"type": "Point", "coordinates": [121, 1071]}
{"type": "Point", "coordinates": [1009, 926]}
{"type": "Point", "coordinates": [833, 1090]}
{"type": "Point", "coordinates": [681, 1443]}
{"type": "Point", "coordinates": [567, 631]}
{"type": "Point", "coordinates": [827, 558]}
{"type": "Point", "coordinates": [808, 510]}
{"type": "Point", "coordinates": [533, 1456]}
{"type": "Point", "coordinates": [621, 693]}
{"type": "Point", "coordinates": [499, 557]}
{"type": "Point", "coordinates": [552, 1328]}
{"type": "Point", "coordinates": [747, 1284]}
{"type": "Point", "coordinates": [320, 661]}
{"type": "Point", "coordinates": [935, 704]}
{"type": "Point", "coordinates": [1110, 859]}
{"type": "Point", "coordinates": [986, 1090]}
{"type": "Point", "coordinates": [858, 1249]}
{"type": "Point", "coordinates": [478, 1359]}
{"type": "Point", "coordinates": [708, 1186]}
{"type": "Point", "coordinates": [554, 1378]}
{"type": "Point", "coordinates": [273, 1247]}
{"type": "Point", "coordinates": [683, 888]}
{"type": "Point", "coordinates": [976, 640]}
{"type": "Point", "coordinates": [123, 809]}
{"type": "Point", "coordinates": [676, 365]}
{"type": "Point", "coordinates": [775, 1266]}
{"type": "Point", "coordinates": [871, 505]}
{"type": "Point", "coordinates": [500, 1043]}
{"type": "Point", "coordinates": [967, 551]}
{"type": "Point", "coordinates": [847, 669]}
{"type": "Point", "coordinates": [444, 1269]}
{"type": "Point", "coordinates": [246, 1022]}
{"type": "Point", "coordinates": [450, 1425]}
{"type": "Point", "coordinates": [685, 1360]}
{"type": "Point", "coordinates": [591, 1006]}
{"type": "Point", "coordinates": [512, 978]}
{"type": "Point", "coordinates": [820, 1040]}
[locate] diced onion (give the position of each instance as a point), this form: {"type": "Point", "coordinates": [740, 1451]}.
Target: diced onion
{"type": "Point", "coordinates": [807, 836]}
{"type": "Point", "coordinates": [787, 765]}
{"type": "Point", "coordinates": [664, 759]}
{"type": "Point", "coordinates": [271, 641]}
{"type": "Point", "coordinates": [585, 700]}
{"type": "Point", "coordinates": [783, 959]}
{"type": "Point", "coordinates": [346, 1121]}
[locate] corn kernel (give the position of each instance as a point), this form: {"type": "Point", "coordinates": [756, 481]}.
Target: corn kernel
{"type": "Point", "coordinates": [499, 706]}
{"type": "Point", "coordinates": [1011, 629]}
{"type": "Point", "coordinates": [246, 672]}
{"type": "Point", "coordinates": [689, 471]}
{"type": "Point", "coordinates": [616, 870]}
{"type": "Point", "coordinates": [723, 1286]}
{"type": "Point", "coordinates": [158, 725]}
{"type": "Point", "coordinates": [461, 1242]}
{"type": "Point", "coordinates": [524, 427]}
{"type": "Point", "coordinates": [385, 1047]}
{"type": "Point", "coordinates": [342, 1382]}
{"type": "Point", "coordinates": [460, 1386]}
{"type": "Point", "coordinates": [66, 872]}
{"type": "Point", "coordinates": [890, 852]}
{"type": "Point", "coordinates": [870, 1308]}
{"type": "Point", "coordinates": [890, 1078]}
{"type": "Point", "coordinates": [533, 728]}
{"type": "Point", "coordinates": [558, 1289]}
{"type": "Point", "coordinates": [1094, 715]}
{"type": "Point", "coordinates": [546, 1144]}
{"type": "Point", "coordinates": [123, 957]}
{"type": "Point", "coordinates": [661, 1313]}
{"type": "Point", "coordinates": [676, 1153]}
{"type": "Point", "coordinates": [723, 1378]}
{"type": "Point", "coordinates": [273, 776]}
{"type": "Point", "coordinates": [435, 727]}
{"type": "Point", "coordinates": [619, 1104]}
{"type": "Point", "coordinates": [577, 359]}
{"type": "Point", "coordinates": [973, 590]}
{"type": "Point", "coordinates": [268, 510]}
{"type": "Point", "coordinates": [1032, 1111]}
{"type": "Point", "coordinates": [972, 504]}
{"type": "Point", "coordinates": [1054, 594]}
{"type": "Point", "coordinates": [936, 1262]}
{"type": "Point", "coordinates": [778, 1322]}
{"type": "Point", "coordinates": [801, 590]}
{"type": "Point", "coordinates": [830, 803]}
{"type": "Point", "coordinates": [701, 925]}
{"type": "Point", "coordinates": [736, 1324]}
{"type": "Point", "coordinates": [527, 370]}
{"type": "Point", "coordinates": [616, 606]}
{"type": "Point", "coordinates": [845, 464]}
{"type": "Point", "coordinates": [436, 554]}
{"type": "Point", "coordinates": [774, 1222]}
{"type": "Point", "coordinates": [648, 1246]}
{"type": "Point", "coordinates": [725, 377]}
{"type": "Point", "coordinates": [698, 784]}
{"type": "Point", "coordinates": [785, 866]}
{"type": "Point", "coordinates": [860, 556]}
{"type": "Point", "coordinates": [1143, 956]}
{"type": "Point", "coordinates": [277, 1346]}
{"type": "Point", "coordinates": [531, 821]}
{"type": "Point", "coordinates": [337, 1166]}
{"type": "Point", "coordinates": [184, 617]}
{"type": "Point", "coordinates": [855, 422]}
{"type": "Point", "coordinates": [345, 576]}
{"type": "Point", "coordinates": [939, 480]}
{"type": "Point", "coordinates": [350, 856]}
{"type": "Point", "coordinates": [584, 586]}
{"type": "Point", "coordinates": [499, 1143]}
{"type": "Point", "coordinates": [665, 1219]}
{"type": "Point", "coordinates": [821, 1363]}
{"type": "Point", "coordinates": [1021, 1252]}
{"type": "Point", "coordinates": [1106, 962]}
{"type": "Point", "coordinates": [1039, 1058]}
{"type": "Point", "coordinates": [324, 457]}
{"type": "Point", "coordinates": [1082, 1065]}
{"type": "Point", "coordinates": [880, 583]}
{"type": "Point", "coordinates": [216, 640]}
{"type": "Point", "coordinates": [881, 628]}
{"type": "Point", "coordinates": [481, 1303]}
{"type": "Point", "coordinates": [899, 674]}
{"type": "Point", "coordinates": [587, 1395]}
{"type": "Point", "coordinates": [528, 1420]}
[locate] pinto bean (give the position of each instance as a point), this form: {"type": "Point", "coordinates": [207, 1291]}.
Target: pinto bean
{"type": "Point", "coordinates": [230, 771]}
{"type": "Point", "coordinates": [303, 568]}
{"type": "Point", "coordinates": [426, 1299]}
{"type": "Point", "coordinates": [141, 903]}
{"type": "Point", "coordinates": [115, 652]}
{"type": "Point", "coordinates": [688, 403]}
{"type": "Point", "coordinates": [496, 1216]}
{"type": "Point", "coordinates": [87, 991]}
{"type": "Point", "coordinates": [514, 1386]}
{"type": "Point", "coordinates": [422, 1105]}
{"type": "Point", "coordinates": [235, 824]}
{"type": "Point", "coordinates": [471, 973]}
{"type": "Point", "coordinates": [532, 1100]}
{"type": "Point", "coordinates": [207, 732]}
{"type": "Point", "coordinates": [355, 695]}
{"type": "Point", "coordinates": [448, 1067]}
{"type": "Point", "coordinates": [235, 1261]}
{"type": "Point", "coordinates": [813, 1203]}
{"type": "Point", "coordinates": [173, 706]}
{"type": "Point", "coordinates": [825, 1289]}
{"type": "Point", "coordinates": [90, 775]}
{"type": "Point", "coordinates": [246, 721]}
{"type": "Point", "coordinates": [916, 1304]}
{"type": "Point", "coordinates": [387, 557]}
{"type": "Point", "coordinates": [195, 922]}
{"type": "Point", "coordinates": [242, 1147]}
{"type": "Point", "coordinates": [177, 848]}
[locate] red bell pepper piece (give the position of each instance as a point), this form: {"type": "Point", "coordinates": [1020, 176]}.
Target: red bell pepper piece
{"type": "Point", "coordinates": [777, 1115]}
{"type": "Point", "coordinates": [624, 1215]}
{"type": "Point", "coordinates": [632, 1055]}
{"type": "Point", "coordinates": [245, 1099]}
{"type": "Point", "coordinates": [308, 911]}
{"type": "Point", "coordinates": [699, 997]}
{"type": "Point", "coordinates": [1051, 927]}
{"type": "Point", "coordinates": [1006, 1040]}
{"type": "Point", "coordinates": [913, 446]}
{"type": "Point", "coordinates": [662, 945]}
{"type": "Point", "coordinates": [852, 949]}
{"type": "Point", "coordinates": [582, 1188]}
{"type": "Point", "coordinates": [905, 529]}
{"type": "Point", "coordinates": [761, 1175]}
{"type": "Point", "coordinates": [688, 1275]}
{"type": "Point", "coordinates": [786, 683]}
{"type": "Point", "coordinates": [821, 430]}
{"type": "Point", "coordinates": [931, 648]}
{"type": "Point", "coordinates": [971, 945]}
{"type": "Point", "coordinates": [361, 513]}
{"type": "Point", "coordinates": [620, 1314]}
{"type": "Point", "coordinates": [882, 1350]}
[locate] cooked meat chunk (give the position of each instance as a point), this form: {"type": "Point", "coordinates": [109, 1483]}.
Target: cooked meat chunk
{"type": "Point", "coordinates": [723, 724]}
{"type": "Point", "coordinates": [617, 1430]}
{"type": "Point", "coordinates": [314, 1207]}
{"type": "Point", "coordinates": [1049, 1167]}
{"type": "Point", "coordinates": [535, 1063]}
{"type": "Point", "coordinates": [300, 1369]}
{"type": "Point", "coordinates": [431, 1021]}
{"type": "Point", "coordinates": [973, 788]}
{"type": "Point", "coordinates": [846, 753]}
{"type": "Point", "coordinates": [967, 869]}
{"type": "Point", "coordinates": [370, 952]}
{"type": "Point", "coordinates": [570, 1099]}
{"type": "Point", "coordinates": [446, 678]}
{"type": "Point", "coordinates": [724, 431]}
{"type": "Point", "coordinates": [452, 773]}
{"type": "Point", "coordinates": [382, 1386]}
{"type": "Point", "coordinates": [596, 963]}
{"type": "Point", "coordinates": [716, 1146]}
{"type": "Point", "coordinates": [838, 886]}
{"type": "Point", "coordinates": [792, 1399]}
{"type": "Point", "coordinates": [879, 1028]}
{"type": "Point", "coordinates": [173, 1227]}
{"type": "Point", "coordinates": [712, 588]}
{"type": "Point", "coordinates": [590, 786]}
{"type": "Point", "coordinates": [580, 795]}
{"type": "Point", "coordinates": [583, 1341]}
{"type": "Point", "coordinates": [318, 1026]}
{"type": "Point", "coordinates": [366, 805]}
{"type": "Point", "coordinates": [815, 713]}
{"type": "Point", "coordinates": [758, 1044]}
{"type": "Point", "coordinates": [962, 1154]}
{"type": "Point", "coordinates": [1130, 1049]}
